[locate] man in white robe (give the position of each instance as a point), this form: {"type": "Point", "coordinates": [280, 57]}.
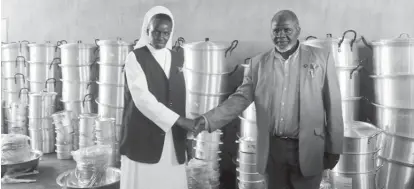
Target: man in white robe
{"type": "Point", "coordinates": [167, 173]}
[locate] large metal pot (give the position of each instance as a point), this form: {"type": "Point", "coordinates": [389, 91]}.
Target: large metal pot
{"type": "Point", "coordinates": [395, 175]}
{"type": "Point", "coordinates": [82, 72]}
{"type": "Point", "coordinates": [80, 107]}
{"type": "Point", "coordinates": [349, 80]}
{"type": "Point", "coordinates": [248, 128]}
{"type": "Point", "coordinates": [40, 71]}
{"type": "Point", "coordinates": [105, 110]}
{"type": "Point", "coordinates": [35, 105]}
{"type": "Point", "coordinates": [198, 103]}
{"type": "Point", "coordinates": [344, 50]}
{"type": "Point", "coordinates": [393, 56]}
{"type": "Point", "coordinates": [10, 51]}
{"type": "Point", "coordinates": [42, 53]}
{"type": "Point", "coordinates": [360, 138]}
{"type": "Point", "coordinates": [350, 108]}
{"type": "Point", "coordinates": [207, 145]}
{"type": "Point", "coordinates": [207, 83]}
{"type": "Point", "coordinates": [249, 113]}
{"type": "Point", "coordinates": [208, 57]}
{"type": "Point", "coordinates": [394, 90]}
{"type": "Point", "coordinates": [210, 137]}
{"type": "Point", "coordinates": [19, 96]}
{"type": "Point", "coordinates": [15, 83]}
{"type": "Point", "coordinates": [357, 163]}
{"type": "Point", "coordinates": [76, 90]}
{"type": "Point", "coordinates": [111, 94]}
{"type": "Point", "coordinates": [111, 74]}
{"type": "Point", "coordinates": [77, 53]}
{"type": "Point", "coordinates": [11, 68]}
{"type": "Point", "coordinates": [246, 158]}
{"type": "Point", "coordinates": [50, 85]}
{"type": "Point", "coordinates": [113, 51]}
{"type": "Point", "coordinates": [353, 180]}
{"type": "Point", "coordinates": [397, 121]}
{"type": "Point", "coordinates": [247, 145]}
{"type": "Point", "coordinates": [398, 148]}
{"type": "Point", "coordinates": [249, 176]}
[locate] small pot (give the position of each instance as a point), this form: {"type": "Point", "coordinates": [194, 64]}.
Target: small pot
{"type": "Point", "coordinates": [357, 163]}
{"type": "Point", "coordinates": [360, 137]}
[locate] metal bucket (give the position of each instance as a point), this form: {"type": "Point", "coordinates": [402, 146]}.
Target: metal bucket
{"type": "Point", "coordinates": [111, 94]}
{"type": "Point", "coordinates": [48, 141]}
{"type": "Point", "coordinates": [250, 113]}
{"type": "Point", "coordinates": [111, 74]}
{"type": "Point", "coordinates": [11, 68]}
{"type": "Point", "coordinates": [397, 121]}
{"type": "Point", "coordinates": [350, 108]}
{"type": "Point", "coordinates": [394, 90]}
{"type": "Point", "coordinates": [113, 51]}
{"type": "Point", "coordinates": [118, 132]}
{"type": "Point", "coordinates": [77, 53]}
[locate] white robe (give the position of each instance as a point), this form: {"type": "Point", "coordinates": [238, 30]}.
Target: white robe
{"type": "Point", "coordinates": [167, 173]}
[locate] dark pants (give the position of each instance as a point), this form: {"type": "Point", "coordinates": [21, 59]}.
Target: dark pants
{"type": "Point", "coordinates": [283, 166]}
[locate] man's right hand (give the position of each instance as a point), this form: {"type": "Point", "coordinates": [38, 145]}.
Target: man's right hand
{"type": "Point", "coordinates": [187, 124]}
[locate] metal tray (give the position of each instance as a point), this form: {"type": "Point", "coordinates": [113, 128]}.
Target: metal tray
{"type": "Point", "coordinates": [113, 176]}
{"type": "Point", "coordinates": [27, 166]}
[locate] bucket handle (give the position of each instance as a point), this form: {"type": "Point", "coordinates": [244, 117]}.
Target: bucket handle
{"type": "Point", "coordinates": [357, 68]}
{"type": "Point", "coordinates": [15, 78]}
{"type": "Point", "coordinates": [343, 37]}
{"type": "Point", "coordinates": [59, 43]}
{"type": "Point", "coordinates": [20, 57]}
{"type": "Point", "coordinates": [231, 48]}
{"type": "Point", "coordinates": [84, 99]}
{"type": "Point", "coordinates": [53, 61]}
{"type": "Point", "coordinates": [20, 92]}
{"type": "Point", "coordinates": [404, 34]}
{"type": "Point", "coordinates": [366, 43]}
{"type": "Point", "coordinates": [20, 44]}
{"type": "Point", "coordinates": [310, 37]}
{"type": "Point", "coordinates": [54, 82]}
{"type": "Point", "coordinates": [97, 46]}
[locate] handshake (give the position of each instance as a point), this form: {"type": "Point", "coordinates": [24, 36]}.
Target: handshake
{"type": "Point", "coordinates": [195, 126]}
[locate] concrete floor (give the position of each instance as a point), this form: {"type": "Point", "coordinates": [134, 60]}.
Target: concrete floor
{"type": "Point", "coordinates": [49, 168]}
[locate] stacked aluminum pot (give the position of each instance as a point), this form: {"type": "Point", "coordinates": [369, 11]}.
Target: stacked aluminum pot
{"type": "Point", "coordinates": [393, 78]}
{"type": "Point", "coordinates": [357, 166]}
{"type": "Point", "coordinates": [105, 135]}
{"type": "Point", "coordinates": [65, 133]}
{"type": "Point", "coordinates": [87, 130]}
{"type": "Point", "coordinates": [41, 131]}
{"type": "Point", "coordinates": [112, 56]}
{"type": "Point", "coordinates": [247, 175]}
{"type": "Point", "coordinates": [14, 72]}
{"type": "Point", "coordinates": [347, 63]}
{"type": "Point", "coordinates": [78, 81]}
{"type": "Point", "coordinates": [17, 123]}
{"type": "Point", "coordinates": [206, 73]}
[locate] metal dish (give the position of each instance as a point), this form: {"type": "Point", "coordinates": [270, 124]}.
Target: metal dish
{"type": "Point", "coordinates": [26, 166]}
{"type": "Point", "coordinates": [113, 177]}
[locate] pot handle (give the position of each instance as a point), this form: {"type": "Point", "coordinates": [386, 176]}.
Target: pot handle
{"type": "Point", "coordinates": [20, 44]}
{"type": "Point", "coordinates": [310, 37]}
{"type": "Point", "coordinates": [53, 61]}
{"type": "Point", "coordinates": [97, 46]}
{"type": "Point", "coordinates": [93, 63]}
{"type": "Point", "coordinates": [20, 92]}
{"type": "Point", "coordinates": [366, 43]}
{"type": "Point", "coordinates": [402, 34]}
{"type": "Point", "coordinates": [84, 99]}
{"type": "Point", "coordinates": [232, 47]}
{"type": "Point", "coordinates": [15, 78]}
{"type": "Point", "coordinates": [59, 43]}
{"type": "Point", "coordinates": [343, 37]}
{"type": "Point", "coordinates": [20, 57]}
{"type": "Point", "coordinates": [54, 82]}
{"type": "Point", "coordinates": [357, 68]}
{"type": "Point", "coordinates": [234, 70]}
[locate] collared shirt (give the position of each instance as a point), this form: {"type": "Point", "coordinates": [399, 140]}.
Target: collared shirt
{"type": "Point", "coordinates": [286, 97]}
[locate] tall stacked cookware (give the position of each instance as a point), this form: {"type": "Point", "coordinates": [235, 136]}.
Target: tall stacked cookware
{"type": "Point", "coordinates": [112, 56]}
{"type": "Point", "coordinates": [393, 78]}
{"type": "Point", "coordinates": [206, 73]}
{"type": "Point", "coordinates": [14, 71]}
{"type": "Point", "coordinates": [357, 165]}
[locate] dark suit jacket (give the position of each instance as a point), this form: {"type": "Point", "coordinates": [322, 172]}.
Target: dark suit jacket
{"type": "Point", "coordinates": [321, 124]}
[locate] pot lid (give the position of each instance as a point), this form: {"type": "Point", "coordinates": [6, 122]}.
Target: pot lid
{"type": "Point", "coordinates": [113, 42]}
{"type": "Point", "coordinates": [403, 39]}
{"type": "Point", "coordinates": [13, 45]}
{"type": "Point", "coordinates": [206, 45]}
{"type": "Point", "coordinates": [360, 129]}
{"type": "Point", "coordinates": [77, 45]}
{"type": "Point", "coordinates": [47, 44]}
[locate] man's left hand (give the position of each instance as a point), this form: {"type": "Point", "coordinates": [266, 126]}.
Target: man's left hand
{"type": "Point", "coordinates": [330, 160]}
{"type": "Point", "coordinates": [200, 126]}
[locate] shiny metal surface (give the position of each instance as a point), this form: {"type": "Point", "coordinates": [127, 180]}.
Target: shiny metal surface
{"type": "Point", "coordinates": [77, 53]}
{"type": "Point", "coordinates": [10, 51]}
{"type": "Point", "coordinates": [84, 72]}
{"type": "Point", "coordinates": [393, 56]}
{"type": "Point", "coordinates": [247, 145]}
{"type": "Point", "coordinates": [111, 94]}
{"type": "Point", "coordinates": [350, 108]}
{"type": "Point", "coordinates": [349, 80]}
{"type": "Point", "coordinates": [246, 158]}
{"type": "Point", "coordinates": [360, 137]}
{"type": "Point", "coordinates": [344, 50]}
{"type": "Point", "coordinates": [111, 112]}
{"type": "Point", "coordinates": [35, 105]}
{"type": "Point", "coordinates": [248, 128]}
{"type": "Point", "coordinates": [27, 166]}
{"type": "Point", "coordinates": [200, 103]}
{"type": "Point", "coordinates": [208, 155]}
{"type": "Point", "coordinates": [111, 74]}
{"type": "Point", "coordinates": [251, 184]}
{"type": "Point", "coordinates": [12, 96]}
{"type": "Point", "coordinates": [43, 53]}
{"type": "Point", "coordinates": [249, 176]}
{"type": "Point", "coordinates": [210, 137]}
{"type": "Point", "coordinates": [397, 148]}
{"type": "Point", "coordinates": [248, 168]}
{"type": "Point", "coordinates": [112, 180]}
{"type": "Point", "coordinates": [40, 72]}
{"type": "Point", "coordinates": [394, 90]}
{"type": "Point", "coordinates": [113, 51]}
{"type": "Point", "coordinates": [50, 85]}
{"type": "Point", "coordinates": [207, 83]}
{"type": "Point", "coordinates": [80, 107]}
{"type": "Point", "coordinates": [207, 145]}
{"type": "Point", "coordinates": [207, 56]}
{"type": "Point", "coordinates": [11, 68]}
{"type": "Point", "coordinates": [76, 90]}
{"type": "Point", "coordinates": [395, 175]}
{"type": "Point", "coordinates": [353, 180]}
{"type": "Point", "coordinates": [15, 83]}
{"type": "Point", "coordinates": [397, 121]}
{"type": "Point", "coordinates": [356, 163]}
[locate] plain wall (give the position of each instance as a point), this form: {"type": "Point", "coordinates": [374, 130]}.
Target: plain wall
{"type": "Point", "coordinates": [221, 20]}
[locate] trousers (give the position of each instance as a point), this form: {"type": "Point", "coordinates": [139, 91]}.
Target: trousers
{"type": "Point", "coordinates": [283, 170]}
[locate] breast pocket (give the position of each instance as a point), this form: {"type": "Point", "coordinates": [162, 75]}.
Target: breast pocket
{"type": "Point", "coordinates": [316, 74]}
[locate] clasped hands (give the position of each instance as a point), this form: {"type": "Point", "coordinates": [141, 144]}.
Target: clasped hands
{"type": "Point", "coordinates": [194, 126]}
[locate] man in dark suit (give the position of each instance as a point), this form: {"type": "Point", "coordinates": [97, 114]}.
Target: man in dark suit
{"type": "Point", "coordinates": [298, 105]}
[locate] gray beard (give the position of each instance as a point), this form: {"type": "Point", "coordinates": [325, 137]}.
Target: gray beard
{"type": "Point", "coordinates": [284, 50]}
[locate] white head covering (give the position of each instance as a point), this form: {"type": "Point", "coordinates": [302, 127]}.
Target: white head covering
{"type": "Point", "coordinates": [144, 40]}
